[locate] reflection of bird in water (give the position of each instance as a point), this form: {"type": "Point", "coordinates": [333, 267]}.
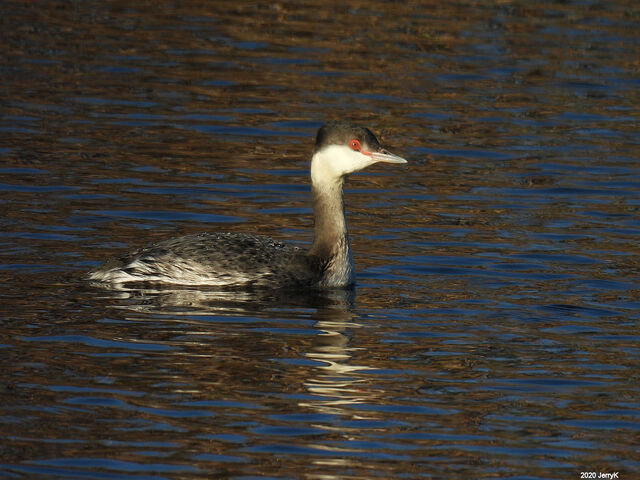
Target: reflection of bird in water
{"type": "Point", "coordinates": [337, 383]}
{"type": "Point", "coordinates": [181, 300]}
{"type": "Point", "coordinates": [243, 260]}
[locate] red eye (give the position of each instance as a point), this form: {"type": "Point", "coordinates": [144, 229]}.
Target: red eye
{"type": "Point", "coordinates": [355, 144]}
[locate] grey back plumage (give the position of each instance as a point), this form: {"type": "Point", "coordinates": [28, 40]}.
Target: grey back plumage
{"type": "Point", "coordinates": [217, 259]}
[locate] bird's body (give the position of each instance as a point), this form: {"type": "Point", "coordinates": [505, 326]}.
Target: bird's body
{"type": "Point", "coordinates": [218, 260]}
{"type": "Point", "coordinates": [245, 260]}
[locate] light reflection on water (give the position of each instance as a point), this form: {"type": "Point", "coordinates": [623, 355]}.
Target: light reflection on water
{"type": "Point", "coordinates": [494, 331]}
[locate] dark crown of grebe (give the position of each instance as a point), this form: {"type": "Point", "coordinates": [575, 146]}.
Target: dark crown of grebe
{"type": "Point", "coordinates": [246, 260]}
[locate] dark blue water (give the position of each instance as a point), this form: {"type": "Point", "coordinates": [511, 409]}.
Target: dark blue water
{"type": "Point", "coordinates": [494, 329]}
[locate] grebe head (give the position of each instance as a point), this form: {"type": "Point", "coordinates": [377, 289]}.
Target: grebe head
{"type": "Point", "coordinates": [343, 148]}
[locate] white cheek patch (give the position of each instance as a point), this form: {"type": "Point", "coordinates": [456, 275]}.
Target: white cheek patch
{"type": "Point", "coordinates": [336, 161]}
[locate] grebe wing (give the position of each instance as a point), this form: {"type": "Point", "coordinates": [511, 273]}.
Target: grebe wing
{"type": "Point", "coordinates": [216, 259]}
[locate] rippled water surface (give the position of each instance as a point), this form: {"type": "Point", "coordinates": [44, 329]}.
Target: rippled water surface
{"type": "Point", "coordinates": [494, 330]}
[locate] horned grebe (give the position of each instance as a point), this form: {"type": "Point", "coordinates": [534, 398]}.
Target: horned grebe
{"type": "Point", "coordinates": [245, 260]}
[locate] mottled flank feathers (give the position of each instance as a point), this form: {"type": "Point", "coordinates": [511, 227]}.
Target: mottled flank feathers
{"type": "Point", "coordinates": [215, 259]}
